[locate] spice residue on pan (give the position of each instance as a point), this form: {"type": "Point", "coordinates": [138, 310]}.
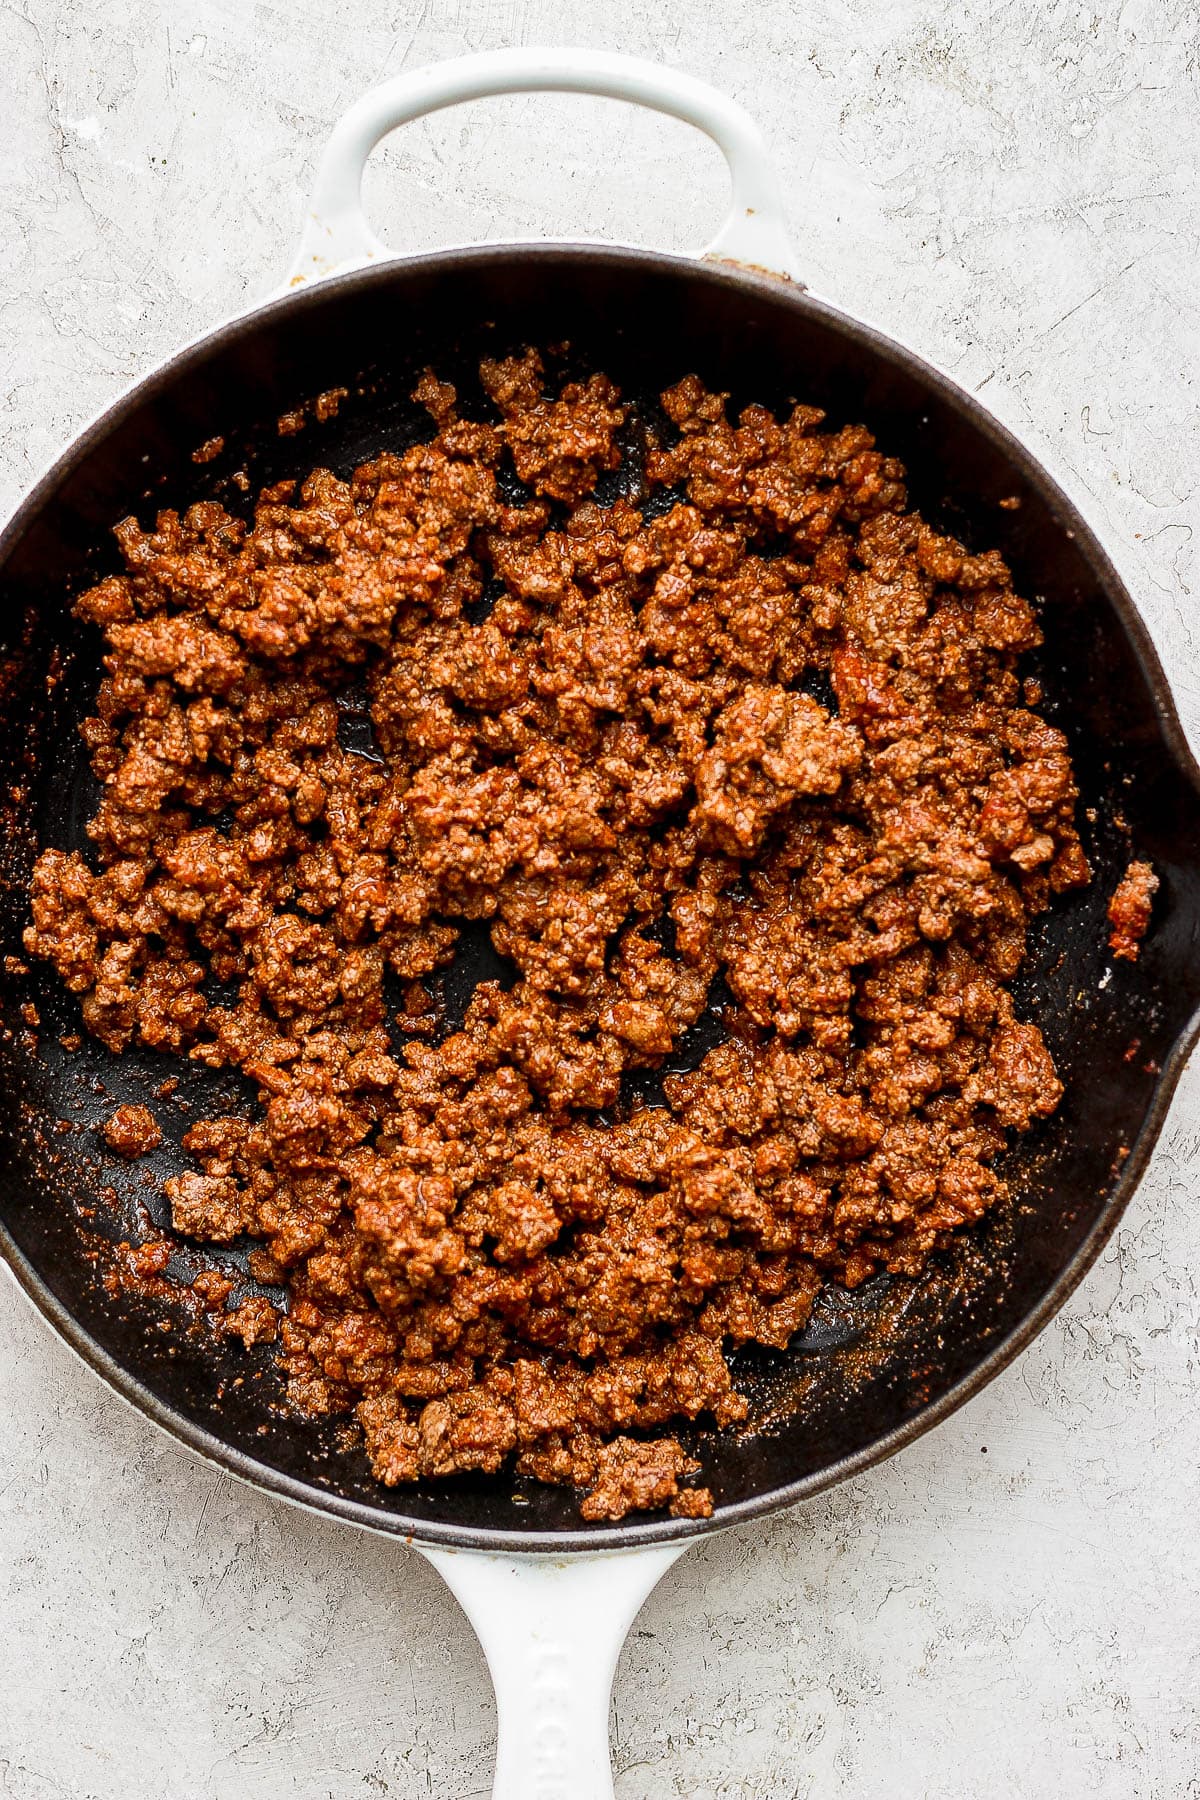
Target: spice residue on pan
{"type": "Point", "coordinates": [736, 774]}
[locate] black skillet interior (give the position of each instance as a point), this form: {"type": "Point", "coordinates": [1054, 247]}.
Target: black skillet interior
{"type": "Point", "coordinates": [873, 1368]}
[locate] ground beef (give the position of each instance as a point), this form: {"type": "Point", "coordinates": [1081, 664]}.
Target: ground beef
{"type": "Point", "coordinates": [132, 1131]}
{"type": "Point", "coordinates": [752, 733]}
{"type": "Point", "coordinates": [1129, 910]}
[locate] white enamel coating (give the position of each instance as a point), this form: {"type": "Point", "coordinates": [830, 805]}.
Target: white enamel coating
{"type": "Point", "coordinates": [552, 1630]}
{"type": "Point", "coordinates": [336, 235]}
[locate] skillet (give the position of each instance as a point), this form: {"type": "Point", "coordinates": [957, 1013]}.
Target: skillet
{"type": "Point", "coordinates": [550, 1596]}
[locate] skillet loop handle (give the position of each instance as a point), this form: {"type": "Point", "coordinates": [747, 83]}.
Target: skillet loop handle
{"type": "Point", "coordinates": [337, 237]}
{"type": "Point", "coordinates": [552, 1629]}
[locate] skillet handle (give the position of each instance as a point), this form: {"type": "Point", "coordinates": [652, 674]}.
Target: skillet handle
{"type": "Point", "coordinates": [552, 1629]}
{"type": "Point", "coordinates": [336, 235]}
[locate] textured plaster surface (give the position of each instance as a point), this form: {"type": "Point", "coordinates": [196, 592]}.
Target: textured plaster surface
{"type": "Point", "coordinates": [1012, 1607]}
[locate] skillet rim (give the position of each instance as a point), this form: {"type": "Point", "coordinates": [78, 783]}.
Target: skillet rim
{"type": "Point", "coordinates": [213, 1449]}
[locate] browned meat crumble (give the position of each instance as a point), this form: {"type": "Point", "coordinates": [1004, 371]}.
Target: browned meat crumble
{"type": "Point", "coordinates": [132, 1131]}
{"type": "Point", "coordinates": [1129, 910]}
{"type": "Point", "coordinates": [765, 740]}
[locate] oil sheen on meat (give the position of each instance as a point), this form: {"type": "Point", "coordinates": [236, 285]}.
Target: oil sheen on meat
{"type": "Point", "coordinates": [755, 732]}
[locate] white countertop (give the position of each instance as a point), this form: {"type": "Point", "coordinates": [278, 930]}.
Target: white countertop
{"type": "Point", "coordinates": [1019, 201]}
